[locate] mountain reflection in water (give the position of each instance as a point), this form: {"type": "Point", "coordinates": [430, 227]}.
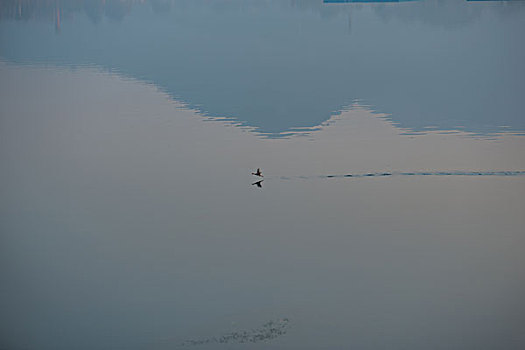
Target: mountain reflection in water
{"type": "Point", "coordinates": [279, 66]}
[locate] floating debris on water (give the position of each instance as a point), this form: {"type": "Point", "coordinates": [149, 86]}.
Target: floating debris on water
{"type": "Point", "coordinates": [268, 331]}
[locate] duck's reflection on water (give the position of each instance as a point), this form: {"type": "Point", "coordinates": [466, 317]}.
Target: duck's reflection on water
{"type": "Point", "coordinates": [258, 183]}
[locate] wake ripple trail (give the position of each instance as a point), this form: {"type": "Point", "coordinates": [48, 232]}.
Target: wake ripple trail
{"type": "Point", "coordinates": [417, 173]}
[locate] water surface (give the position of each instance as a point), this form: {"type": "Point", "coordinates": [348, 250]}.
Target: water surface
{"type": "Point", "coordinates": [128, 132]}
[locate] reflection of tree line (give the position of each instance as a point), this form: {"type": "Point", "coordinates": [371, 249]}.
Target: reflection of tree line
{"type": "Point", "coordinates": [448, 13]}
{"type": "Point", "coordinates": [434, 12]}
{"type": "Point", "coordinates": [57, 9]}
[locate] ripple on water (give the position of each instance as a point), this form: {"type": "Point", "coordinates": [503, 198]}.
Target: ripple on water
{"type": "Point", "coordinates": [268, 331]}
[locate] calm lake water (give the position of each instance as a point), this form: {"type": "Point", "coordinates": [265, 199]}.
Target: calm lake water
{"type": "Point", "coordinates": [391, 136]}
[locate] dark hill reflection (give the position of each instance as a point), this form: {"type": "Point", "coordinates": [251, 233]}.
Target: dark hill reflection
{"type": "Point", "coordinates": [280, 65]}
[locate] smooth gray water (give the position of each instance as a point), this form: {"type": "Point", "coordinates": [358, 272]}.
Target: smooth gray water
{"type": "Point", "coordinates": [391, 212]}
